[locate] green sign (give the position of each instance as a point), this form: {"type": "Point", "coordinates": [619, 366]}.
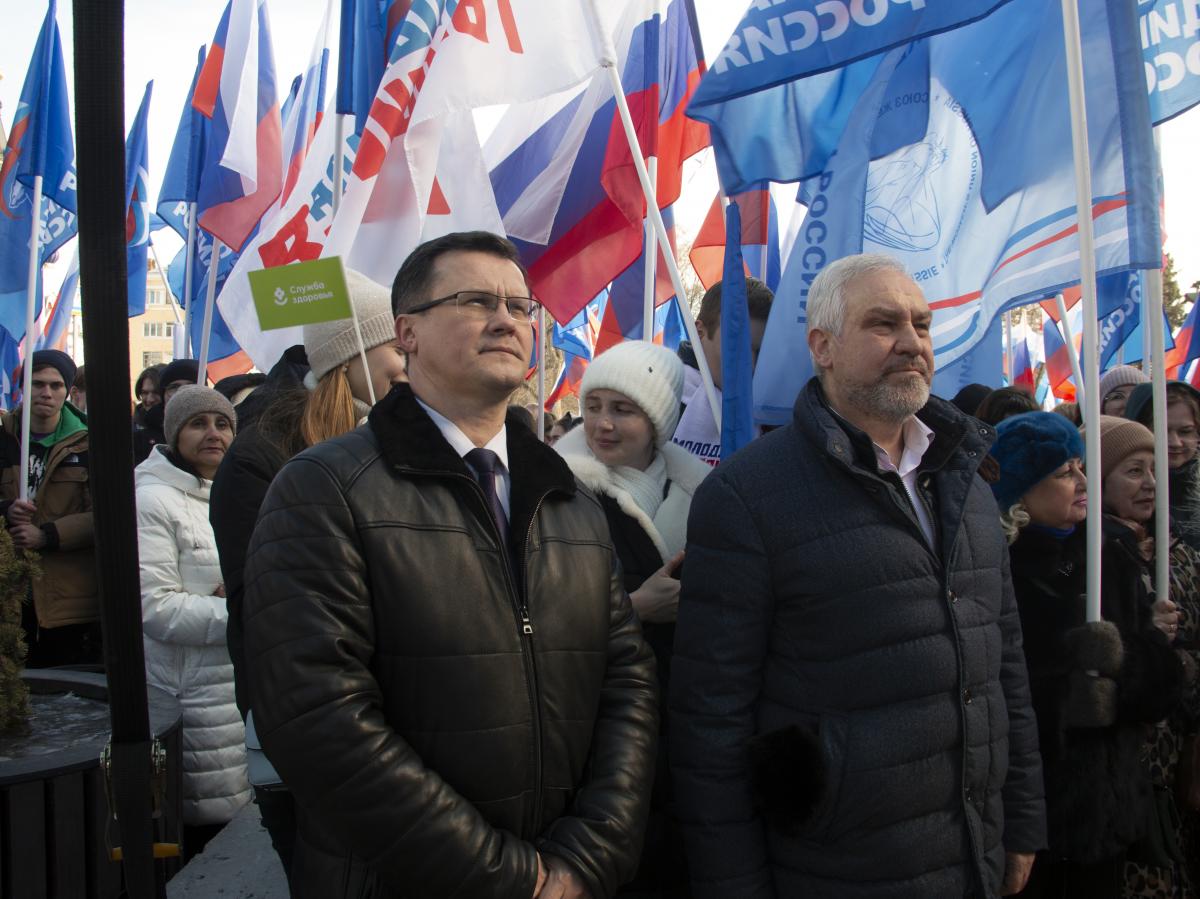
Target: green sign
{"type": "Point", "coordinates": [300, 294]}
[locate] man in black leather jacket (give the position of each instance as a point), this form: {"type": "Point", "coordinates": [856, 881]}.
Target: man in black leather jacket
{"type": "Point", "coordinates": [458, 713]}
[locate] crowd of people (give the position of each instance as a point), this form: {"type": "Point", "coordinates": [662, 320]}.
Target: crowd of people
{"type": "Point", "coordinates": [448, 658]}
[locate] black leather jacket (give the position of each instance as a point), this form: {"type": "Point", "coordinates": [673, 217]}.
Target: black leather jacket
{"type": "Point", "coordinates": [437, 715]}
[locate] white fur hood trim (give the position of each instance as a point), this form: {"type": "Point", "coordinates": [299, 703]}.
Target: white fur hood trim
{"type": "Point", "coordinates": [668, 529]}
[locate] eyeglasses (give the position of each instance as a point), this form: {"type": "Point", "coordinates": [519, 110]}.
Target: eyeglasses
{"type": "Point", "coordinates": [481, 305]}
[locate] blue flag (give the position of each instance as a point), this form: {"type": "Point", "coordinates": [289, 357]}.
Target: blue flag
{"type": "Point", "coordinates": [1170, 32]}
{"type": "Point", "coordinates": [41, 130]}
{"type": "Point", "coordinates": [785, 40]}
{"type": "Point", "coordinates": [369, 29]}
{"type": "Point", "coordinates": [980, 206]}
{"type": "Point", "coordinates": [40, 143]}
{"type": "Point", "coordinates": [737, 369]}
{"type": "Point", "coordinates": [137, 207]}
{"type": "Point", "coordinates": [182, 175]}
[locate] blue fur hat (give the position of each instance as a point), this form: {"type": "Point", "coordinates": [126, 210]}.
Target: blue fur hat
{"type": "Point", "coordinates": [1028, 448]}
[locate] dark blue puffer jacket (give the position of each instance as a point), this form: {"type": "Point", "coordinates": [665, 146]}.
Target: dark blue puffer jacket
{"type": "Point", "coordinates": [879, 686]}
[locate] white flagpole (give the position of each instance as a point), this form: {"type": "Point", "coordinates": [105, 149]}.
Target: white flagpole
{"type": "Point", "coordinates": [1071, 354]}
{"type": "Point", "coordinates": [1087, 263]}
{"type": "Point", "coordinates": [1149, 360]}
{"type": "Point", "coordinates": [1008, 349]}
{"type": "Point", "coordinates": [1152, 323]}
{"type": "Point", "coordinates": [362, 353]}
{"type": "Point", "coordinates": [651, 268]}
{"type": "Point", "coordinates": [608, 61]}
{"type": "Point", "coordinates": [339, 139]}
{"type": "Point", "coordinates": [35, 234]}
{"type": "Point", "coordinates": [188, 281]}
{"type": "Point", "coordinates": [1153, 303]}
{"type": "Point", "coordinates": [541, 373]}
{"type": "Point", "coordinates": [214, 264]}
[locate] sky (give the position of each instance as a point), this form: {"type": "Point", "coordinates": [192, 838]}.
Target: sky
{"type": "Point", "coordinates": [163, 36]}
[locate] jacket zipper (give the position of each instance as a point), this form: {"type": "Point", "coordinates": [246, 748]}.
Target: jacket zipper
{"type": "Point", "coordinates": [527, 645]}
{"type": "Point", "coordinates": [525, 627]}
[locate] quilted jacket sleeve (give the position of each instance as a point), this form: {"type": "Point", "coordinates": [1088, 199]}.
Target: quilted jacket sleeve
{"type": "Point", "coordinates": [1024, 806]}
{"type": "Point", "coordinates": [721, 642]}
{"type": "Point", "coordinates": [310, 636]}
{"type": "Point", "coordinates": [170, 613]}
{"type": "Point", "coordinates": [601, 836]}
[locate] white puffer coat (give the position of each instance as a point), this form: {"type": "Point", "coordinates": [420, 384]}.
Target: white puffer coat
{"type": "Point", "coordinates": [183, 624]}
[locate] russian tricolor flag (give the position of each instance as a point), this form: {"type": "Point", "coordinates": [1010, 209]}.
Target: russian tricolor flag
{"type": "Point", "coordinates": [305, 109]}
{"type": "Point", "coordinates": [1023, 375]}
{"type": "Point", "coordinates": [1187, 345]}
{"type": "Point", "coordinates": [1058, 362]}
{"type": "Point", "coordinates": [760, 240]}
{"type": "Point", "coordinates": [569, 193]}
{"type": "Point", "coordinates": [242, 172]}
{"type": "Point", "coordinates": [577, 339]}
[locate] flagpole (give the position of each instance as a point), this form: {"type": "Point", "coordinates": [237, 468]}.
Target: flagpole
{"type": "Point", "coordinates": [1008, 349]}
{"type": "Point", "coordinates": [541, 373]}
{"type": "Point", "coordinates": [362, 353]}
{"type": "Point", "coordinates": [1148, 358]}
{"type": "Point", "coordinates": [1152, 322]}
{"type": "Point", "coordinates": [1071, 354]}
{"type": "Point", "coordinates": [1153, 303]}
{"type": "Point", "coordinates": [608, 57]}
{"type": "Point", "coordinates": [35, 233]}
{"type": "Point", "coordinates": [1087, 262]}
{"type": "Point", "coordinates": [339, 139]}
{"type": "Point", "coordinates": [188, 280]}
{"type": "Point", "coordinates": [214, 263]}
{"type": "Point", "coordinates": [650, 254]}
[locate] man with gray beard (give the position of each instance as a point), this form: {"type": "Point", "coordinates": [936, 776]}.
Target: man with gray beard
{"type": "Point", "coordinates": [850, 705]}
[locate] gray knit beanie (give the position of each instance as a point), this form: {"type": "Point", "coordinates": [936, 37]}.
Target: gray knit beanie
{"type": "Point", "coordinates": [191, 400]}
{"type": "Point", "coordinates": [330, 344]}
{"type": "Point", "coordinates": [645, 372]}
{"type": "Point", "coordinates": [1120, 376]}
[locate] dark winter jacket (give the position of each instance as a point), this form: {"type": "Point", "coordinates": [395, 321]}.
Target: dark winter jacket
{"type": "Point", "coordinates": [851, 709]}
{"type": "Point", "coordinates": [286, 374]}
{"type": "Point", "coordinates": [1097, 788]}
{"type": "Point", "coordinates": [435, 723]}
{"type": "Point", "coordinates": [148, 434]}
{"type": "Point", "coordinates": [238, 490]}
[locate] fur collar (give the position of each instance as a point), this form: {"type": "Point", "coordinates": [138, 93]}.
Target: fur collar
{"type": "Point", "coordinates": [667, 529]}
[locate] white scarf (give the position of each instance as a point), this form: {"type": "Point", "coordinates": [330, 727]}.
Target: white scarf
{"type": "Point", "coordinates": [646, 487]}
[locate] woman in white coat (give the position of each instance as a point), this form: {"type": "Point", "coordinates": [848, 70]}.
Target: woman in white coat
{"type": "Point", "coordinates": [183, 607]}
{"type": "Point", "coordinates": [630, 397]}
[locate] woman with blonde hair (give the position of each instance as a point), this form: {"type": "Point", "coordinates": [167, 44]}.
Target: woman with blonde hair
{"type": "Point", "coordinates": [1095, 686]}
{"type": "Point", "coordinates": [333, 399]}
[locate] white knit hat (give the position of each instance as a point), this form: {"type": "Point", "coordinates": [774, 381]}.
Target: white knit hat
{"type": "Point", "coordinates": [330, 344]}
{"type": "Point", "coordinates": [646, 373]}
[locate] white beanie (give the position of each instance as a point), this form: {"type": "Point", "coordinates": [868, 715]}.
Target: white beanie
{"type": "Point", "coordinates": [330, 344]}
{"type": "Point", "coordinates": [645, 372]}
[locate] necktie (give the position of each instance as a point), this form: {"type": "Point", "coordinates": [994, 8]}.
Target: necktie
{"type": "Point", "coordinates": [485, 463]}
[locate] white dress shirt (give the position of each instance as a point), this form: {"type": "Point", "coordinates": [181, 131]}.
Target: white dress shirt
{"type": "Point", "coordinates": [462, 445]}
{"type": "Point", "coordinates": [917, 437]}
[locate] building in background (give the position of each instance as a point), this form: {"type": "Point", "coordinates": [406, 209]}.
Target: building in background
{"type": "Point", "coordinates": [151, 335]}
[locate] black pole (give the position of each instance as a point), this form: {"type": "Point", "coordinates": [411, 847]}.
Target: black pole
{"type": "Point", "coordinates": [100, 164]}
